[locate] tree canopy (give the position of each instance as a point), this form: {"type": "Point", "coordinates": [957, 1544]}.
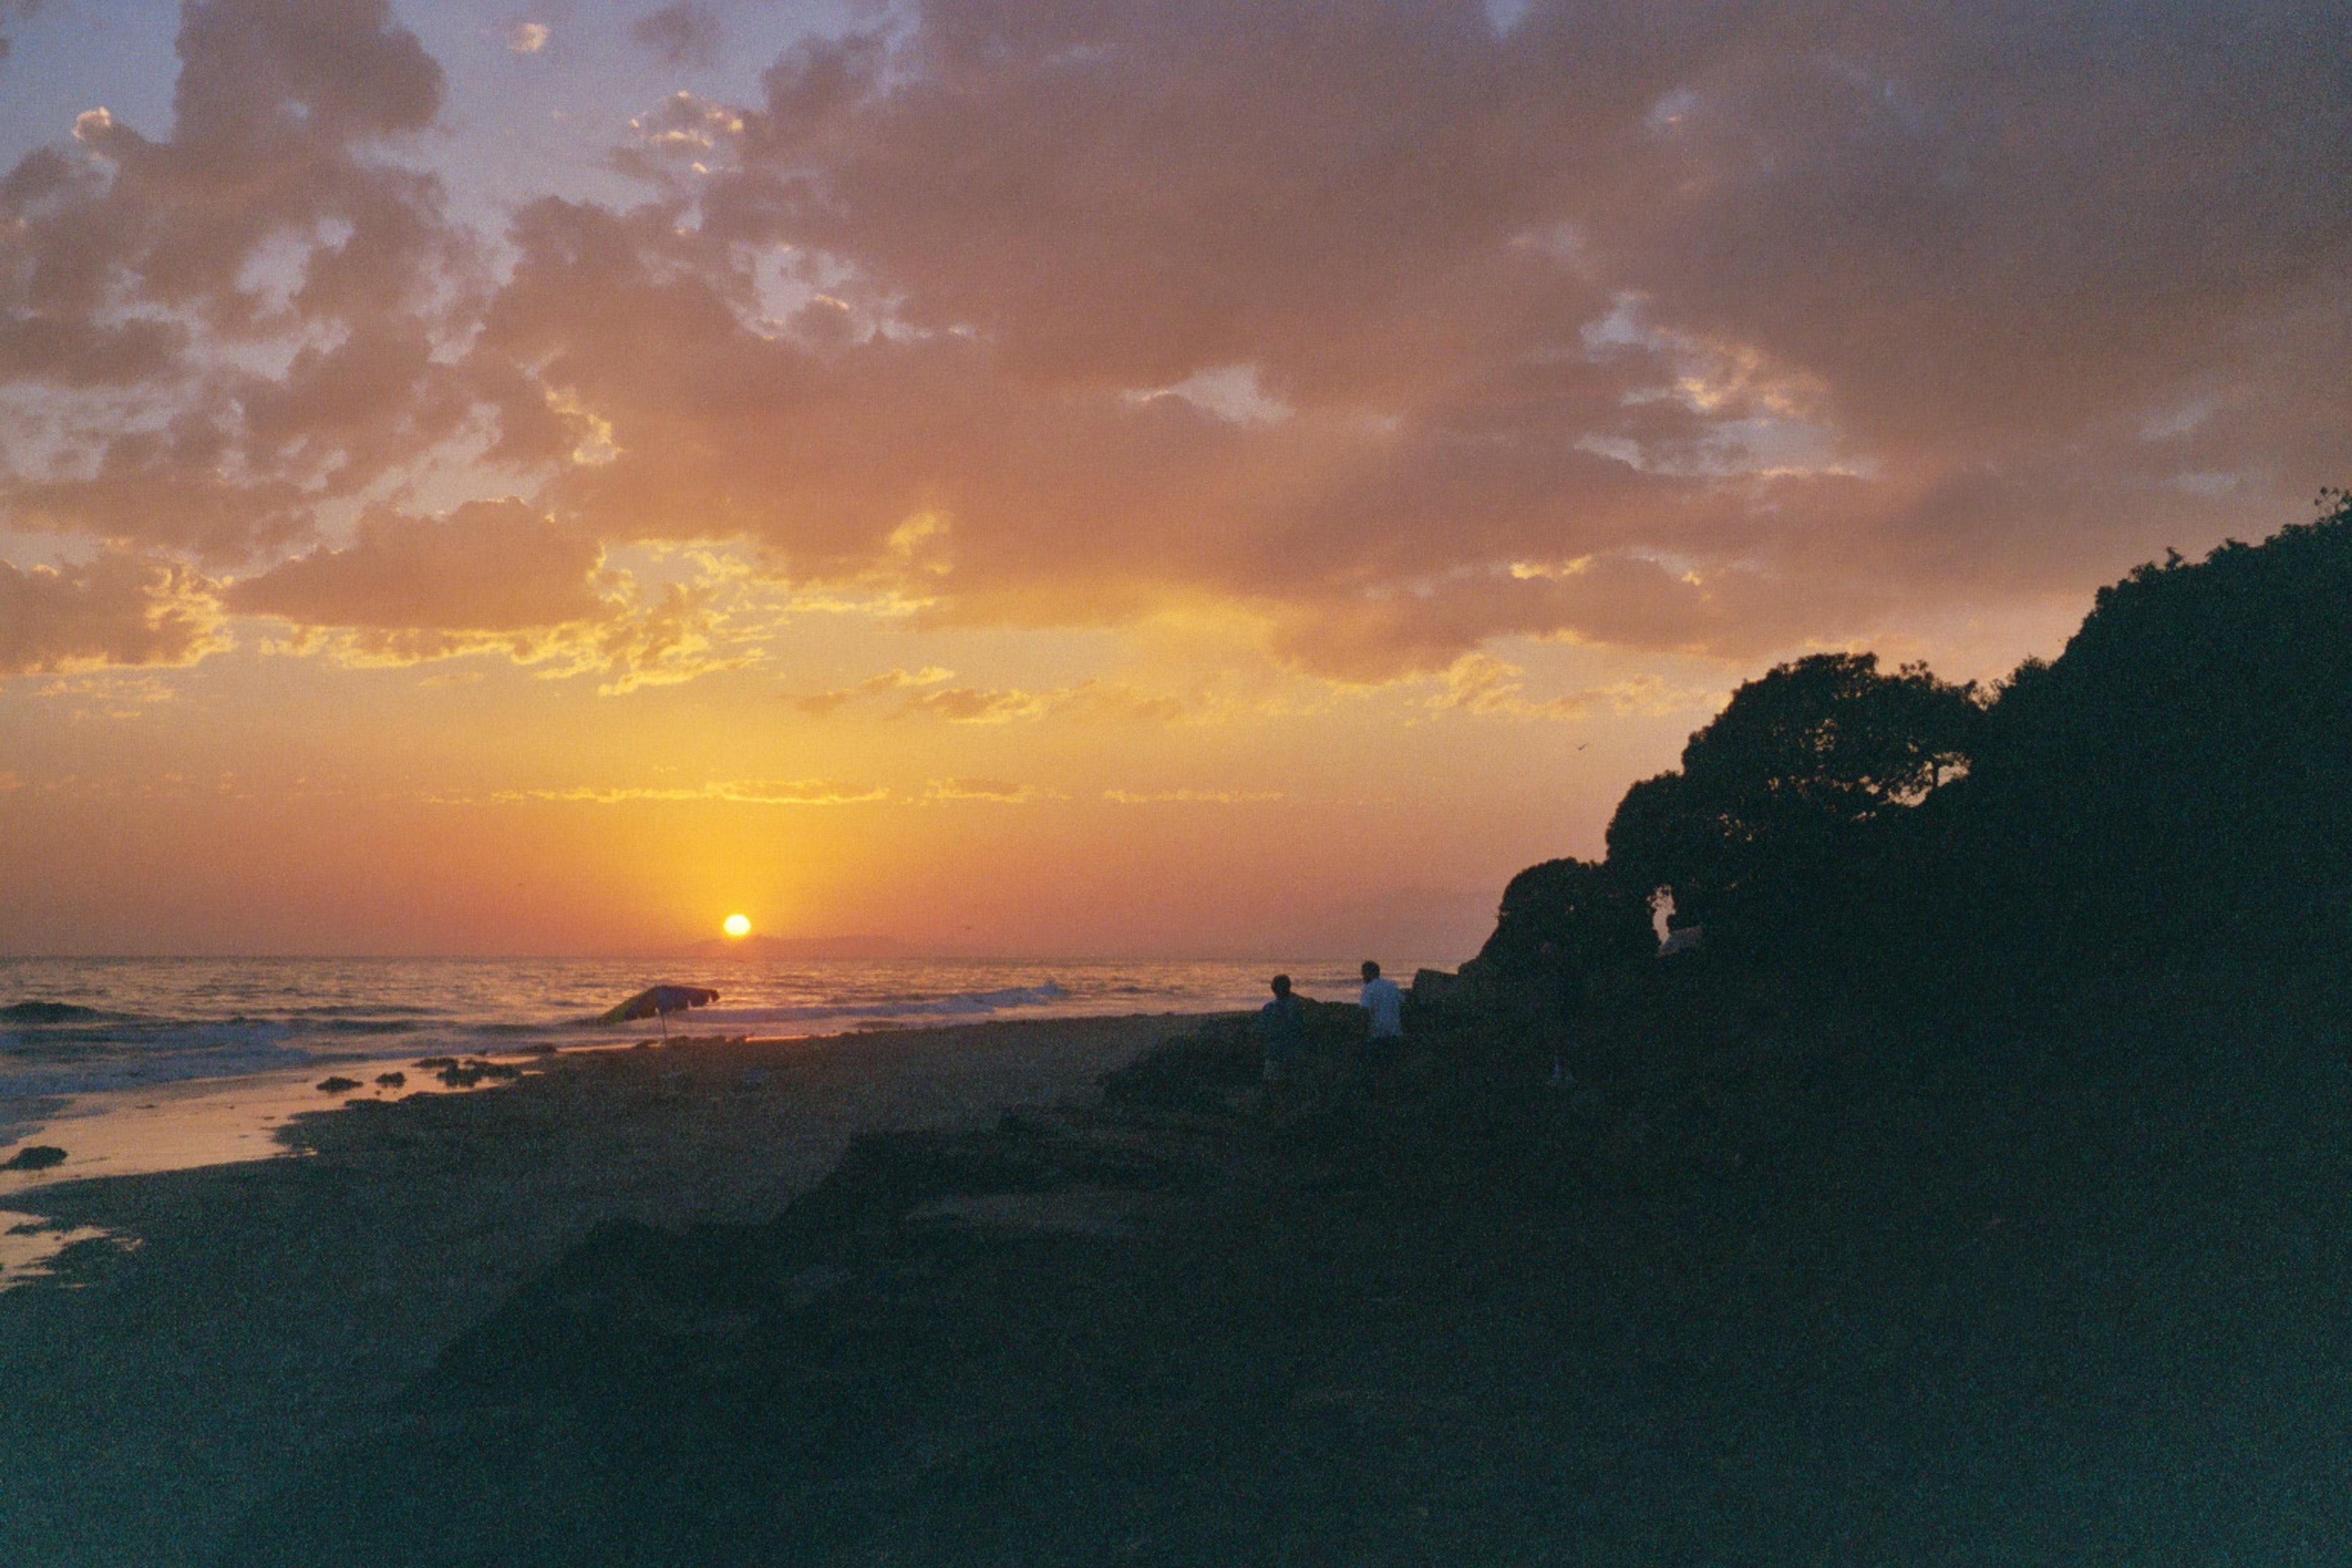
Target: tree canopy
{"type": "Point", "coordinates": [1804, 764]}
{"type": "Point", "coordinates": [2181, 774]}
{"type": "Point", "coordinates": [2175, 786]}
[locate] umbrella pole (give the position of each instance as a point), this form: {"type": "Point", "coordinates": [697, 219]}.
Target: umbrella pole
{"type": "Point", "coordinates": [665, 1022]}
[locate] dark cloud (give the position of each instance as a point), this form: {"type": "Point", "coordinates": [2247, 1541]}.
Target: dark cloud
{"type": "Point", "coordinates": [684, 33]}
{"type": "Point", "coordinates": [174, 488]}
{"type": "Point", "coordinates": [269, 218]}
{"type": "Point", "coordinates": [118, 609]}
{"type": "Point", "coordinates": [70, 353]}
{"type": "Point", "coordinates": [488, 566]}
{"type": "Point", "coordinates": [279, 105]}
{"type": "Point", "coordinates": [490, 577]}
{"type": "Point", "coordinates": [1716, 327]}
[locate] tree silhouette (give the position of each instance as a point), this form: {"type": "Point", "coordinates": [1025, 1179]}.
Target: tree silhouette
{"type": "Point", "coordinates": [1791, 791]}
{"type": "Point", "coordinates": [2179, 779]}
{"type": "Point", "coordinates": [2175, 787]}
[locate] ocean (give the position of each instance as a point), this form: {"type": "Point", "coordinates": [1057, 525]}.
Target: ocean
{"type": "Point", "coordinates": [77, 1025]}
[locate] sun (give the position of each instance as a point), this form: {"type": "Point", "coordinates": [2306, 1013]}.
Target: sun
{"type": "Point", "coordinates": [736, 925]}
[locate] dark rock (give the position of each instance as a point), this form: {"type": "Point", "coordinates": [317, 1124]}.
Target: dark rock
{"type": "Point", "coordinates": [1189, 1073]}
{"type": "Point", "coordinates": [1333, 1025]}
{"type": "Point", "coordinates": [1431, 987]}
{"type": "Point", "coordinates": [433, 1064]}
{"type": "Point", "coordinates": [337, 1084]}
{"type": "Point", "coordinates": [466, 1074]}
{"type": "Point", "coordinates": [1472, 994]}
{"type": "Point", "coordinates": [36, 1157]}
{"type": "Point", "coordinates": [392, 1080]}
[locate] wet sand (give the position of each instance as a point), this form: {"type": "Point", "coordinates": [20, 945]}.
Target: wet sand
{"type": "Point", "coordinates": [236, 1320]}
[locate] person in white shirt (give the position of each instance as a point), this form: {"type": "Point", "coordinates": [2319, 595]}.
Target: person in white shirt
{"type": "Point", "coordinates": [1383, 1007]}
{"type": "Point", "coordinates": [1385, 1002]}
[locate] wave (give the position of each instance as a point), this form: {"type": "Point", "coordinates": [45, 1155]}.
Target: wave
{"type": "Point", "coordinates": [115, 1070]}
{"type": "Point", "coordinates": [32, 1012]}
{"type": "Point", "coordinates": [962, 1004]}
{"type": "Point", "coordinates": [367, 1010]}
{"type": "Point", "coordinates": [991, 1001]}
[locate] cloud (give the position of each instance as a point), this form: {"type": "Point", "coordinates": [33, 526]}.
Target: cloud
{"type": "Point", "coordinates": [118, 609]}
{"type": "Point", "coordinates": [487, 566]}
{"type": "Point", "coordinates": [979, 705]}
{"type": "Point", "coordinates": [1190, 797]}
{"type": "Point", "coordinates": [927, 693]}
{"type": "Point", "coordinates": [144, 284]}
{"type": "Point", "coordinates": [995, 790]}
{"type": "Point", "coordinates": [1484, 686]}
{"type": "Point", "coordinates": [739, 792]}
{"type": "Point", "coordinates": [823, 703]}
{"type": "Point", "coordinates": [682, 34]}
{"type": "Point", "coordinates": [1373, 334]}
{"type": "Point", "coordinates": [528, 37]}
{"type": "Point", "coordinates": [1510, 306]}
{"type": "Point", "coordinates": [490, 577]}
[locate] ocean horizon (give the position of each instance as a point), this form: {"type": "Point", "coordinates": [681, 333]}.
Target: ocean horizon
{"type": "Point", "coordinates": [92, 1025]}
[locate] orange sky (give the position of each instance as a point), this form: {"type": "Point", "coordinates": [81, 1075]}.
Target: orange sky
{"type": "Point", "coordinates": [1040, 478]}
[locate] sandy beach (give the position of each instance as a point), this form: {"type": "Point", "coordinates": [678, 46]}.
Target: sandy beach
{"type": "Point", "coordinates": [235, 1320]}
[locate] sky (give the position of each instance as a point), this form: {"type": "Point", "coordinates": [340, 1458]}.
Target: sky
{"type": "Point", "coordinates": [1066, 478]}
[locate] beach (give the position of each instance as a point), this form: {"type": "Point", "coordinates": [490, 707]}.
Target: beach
{"type": "Point", "coordinates": [235, 1322]}
{"type": "Point", "coordinates": [2072, 1295]}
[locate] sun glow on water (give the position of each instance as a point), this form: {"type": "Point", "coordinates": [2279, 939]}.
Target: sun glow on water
{"type": "Point", "coordinates": [737, 925]}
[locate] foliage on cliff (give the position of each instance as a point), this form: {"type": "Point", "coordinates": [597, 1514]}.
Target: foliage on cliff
{"type": "Point", "coordinates": [2176, 785]}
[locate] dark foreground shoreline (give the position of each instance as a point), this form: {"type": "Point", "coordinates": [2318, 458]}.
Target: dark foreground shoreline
{"type": "Point", "coordinates": [1781, 1284]}
{"type": "Point", "coordinates": [241, 1322]}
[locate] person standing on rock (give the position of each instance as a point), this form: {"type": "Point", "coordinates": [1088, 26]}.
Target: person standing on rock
{"type": "Point", "coordinates": [1383, 1007]}
{"type": "Point", "coordinates": [1283, 1024]}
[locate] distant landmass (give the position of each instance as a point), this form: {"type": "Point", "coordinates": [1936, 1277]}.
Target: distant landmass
{"type": "Point", "coordinates": [759, 946]}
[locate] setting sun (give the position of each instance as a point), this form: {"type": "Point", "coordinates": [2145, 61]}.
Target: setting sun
{"type": "Point", "coordinates": [737, 925]}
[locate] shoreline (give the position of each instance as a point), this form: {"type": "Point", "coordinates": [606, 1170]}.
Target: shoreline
{"type": "Point", "coordinates": [1762, 1291]}
{"type": "Point", "coordinates": [194, 1123]}
{"type": "Point", "coordinates": [243, 1317]}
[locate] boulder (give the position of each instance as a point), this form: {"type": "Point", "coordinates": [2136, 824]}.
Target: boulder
{"type": "Point", "coordinates": [337, 1084]}
{"type": "Point", "coordinates": [466, 1074]}
{"type": "Point", "coordinates": [1437, 997]}
{"type": "Point", "coordinates": [36, 1157]}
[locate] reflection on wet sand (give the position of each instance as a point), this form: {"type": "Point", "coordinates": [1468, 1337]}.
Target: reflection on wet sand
{"type": "Point", "coordinates": [29, 1245]}
{"type": "Point", "coordinates": [180, 1127]}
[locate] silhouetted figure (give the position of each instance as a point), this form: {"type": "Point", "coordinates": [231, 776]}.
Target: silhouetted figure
{"type": "Point", "coordinates": [1383, 1003]}
{"type": "Point", "coordinates": [1383, 1007]}
{"type": "Point", "coordinates": [1283, 1024]}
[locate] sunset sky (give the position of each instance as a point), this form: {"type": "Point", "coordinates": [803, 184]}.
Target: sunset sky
{"type": "Point", "coordinates": [1071, 477]}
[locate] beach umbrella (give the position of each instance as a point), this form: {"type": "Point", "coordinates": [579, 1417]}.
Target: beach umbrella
{"type": "Point", "coordinates": [660, 1002]}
